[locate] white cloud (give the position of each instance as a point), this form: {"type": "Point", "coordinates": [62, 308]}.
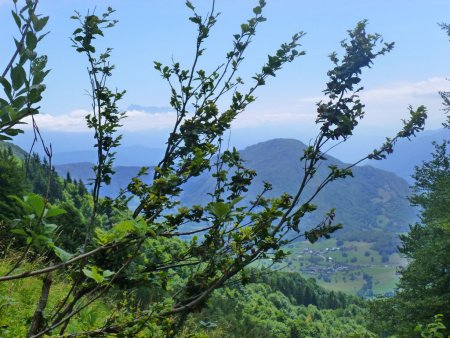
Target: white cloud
{"type": "Point", "coordinates": [401, 91]}
{"type": "Point", "coordinates": [75, 122]}
{"type": "Point", "coordinates": [139, 120]}
{"type": "Point", "coordinates": [71, 122]}
{"type": "Point", "coordinates": [384, 106]}
{"type": "Point", "coordinates": [388, 104]}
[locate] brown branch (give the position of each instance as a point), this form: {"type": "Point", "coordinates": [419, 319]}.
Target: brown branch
{"type": "Point", "coordinates": [101, 288]}
{"type": "Point", "coordinates": [48, 269]}
{"type": "Point", "coordinates": [38, 317]}
{"type": "Point", "coordinates": [168, 234]}
{"type": "Point", "coordinates": [20, 44]}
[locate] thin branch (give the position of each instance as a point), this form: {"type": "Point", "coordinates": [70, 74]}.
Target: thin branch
{"type": "Point", "coordinates": [22, 40]}
{"type": "Point", "coordinates": [51, 268]}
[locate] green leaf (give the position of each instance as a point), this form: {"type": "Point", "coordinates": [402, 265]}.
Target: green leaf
{"type": "Point", "coordinates": [63, 255]}
{"type": "Point", "coordinates": [107, 273]}
{"type": "Point", "coordinates": [123, 228]}
{"type": "Point", "coordinates": [39, 76]}
{"type": "Point", "coordinates": [40, 23]}
{"type": "Point", "coordinates": [102, 236]}
{"type": "Point", "coordinates": [5, 138]}
{"type": "Point", "coordinates": [31, 41]}
{"type": "Point", "coordinates": [140, 226]}
{"type": "Point", "coordinates": [152, 233]}
{"type": "Point", "coordinates": [244, 27]}
{"type": "Point", "coordinates": [189, 5]}
{"type": "Point", "coordinates": [93, 274]}
{"type": "Point", "coordinates": [36, 203]}
{"type": "Point", "coordinates": [6, 87]}
{"type": "Point", "coordinates": [236, 200]}
{"type": "Point", "coordinates": [19, 102]}
{"type": "Point", "coordinates": [16, 19]}
{"type": "Point", "coordinates": [43, 36]}
{"type": "Point", "coordinates": [257, 10]}
{"type": "Point", "coordinates": [18, 77]}
{"type": "Point", "coordinates": [52, 212]}
{"type": "Point", "coordinates": [49, 228]}
{"type": "Point", "coordinates": [219, 209]}
{"type": "Point", "coordinates": [20, 232]}
{"type": "Point", "coordinates": [3, 103]}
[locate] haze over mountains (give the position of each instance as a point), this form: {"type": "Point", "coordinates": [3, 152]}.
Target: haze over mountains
{"type": "Point", "coordinates": [407, 154]}
{"type": "Point", "coordinates": [373, 200]}
{"type": "Point", "coordinates": [135, 155]}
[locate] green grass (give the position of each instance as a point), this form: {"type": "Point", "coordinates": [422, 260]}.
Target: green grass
{"type": "Point", "coordinates": [359, 258]}
{"type": "Point", "coordinates": [18, 299]}
{"type": "Point", "coordinates": [349, 287]}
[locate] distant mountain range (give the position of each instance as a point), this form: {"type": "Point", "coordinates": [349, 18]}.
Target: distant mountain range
{"type": "Point", "coordinates": [373, 200]}
{"type": "Point", "coordinates": [410, 153]}
{"type": "Point", "coordinates": [130, 156]}
{"type": "Point", "coordinates": [407, 154]}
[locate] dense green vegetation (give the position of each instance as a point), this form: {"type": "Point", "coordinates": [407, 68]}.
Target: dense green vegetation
{"type": "Point", "coordinates": [77, 263]}
{"type": "Point", "coordinates": [19, 178]}
{"type": "Point", "coordinates": [280, 305]}
{"type": "Point", "coordinates": [424, 287]}
{"type": "Point", "coordinates": [421, 305]}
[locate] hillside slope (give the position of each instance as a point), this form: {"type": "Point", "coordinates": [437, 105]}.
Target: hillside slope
{"type": "Point", "coordinates": [374, 200]}
{"type": "Point", "coordinates": [410, 153]}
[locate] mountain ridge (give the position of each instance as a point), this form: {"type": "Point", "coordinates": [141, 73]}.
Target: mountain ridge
{"type": "Point", "coordinates": [374, 200]}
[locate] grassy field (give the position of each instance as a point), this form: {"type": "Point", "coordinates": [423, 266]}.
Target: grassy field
{"type": "Point", "coordinates": [345, 267]}
{"type": "Point", "coordinates": [18, 299]}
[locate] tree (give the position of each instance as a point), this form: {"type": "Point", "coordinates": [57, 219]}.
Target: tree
{"type": "Point", "coordinates": [12, 181]}
{"type": "Point", "coordinates": [151, 248]}
{"type": "Point", "coordinates": [424, 286]}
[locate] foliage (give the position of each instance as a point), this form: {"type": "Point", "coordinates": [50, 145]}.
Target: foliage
{"type": "Point", "coordinates": [12, 181]}
{"type": "Point", "coordinates": [18, 299]}
{"type": "Point", "coordinates": [147, 249]}
{"type": "Point", "coordinates": [424, 287]}
{"type": "Point", "coordinates": [25, 86]}
{"type": "Point", "coordinates": [266, 310]}
{"type": "Point", "coordinates": [20, 178]}
{"type": "Point", "coordinates": [432, 330]}
{"type": "Point", "coordinates": [303, 291]}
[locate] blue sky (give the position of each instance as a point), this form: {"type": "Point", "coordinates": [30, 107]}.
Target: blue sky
{"type": "Point", "coordinates": [151, 30]}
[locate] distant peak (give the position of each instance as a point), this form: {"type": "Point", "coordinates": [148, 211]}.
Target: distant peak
{"type": "Point", "coordinates": [284, 142]}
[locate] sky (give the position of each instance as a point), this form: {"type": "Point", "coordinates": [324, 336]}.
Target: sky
{"type": "Point", "coordinates": [150, 30]}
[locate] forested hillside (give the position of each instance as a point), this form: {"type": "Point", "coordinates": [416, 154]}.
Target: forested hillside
{"type": "Point", "coordinates": [371, 205]}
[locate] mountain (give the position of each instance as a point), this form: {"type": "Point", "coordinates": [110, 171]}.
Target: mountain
{"type": "Point", "coordinates": [373, 199]}
{"type": "Point", "coordinates": [410, 153]}
{"type": "Point", "coordinates": [16, 150]}
{"type": "Point", "coordinates": [372, 203]}
{"type": "Point", "coordinates": [84, 171]}
{"type": "Point", "coordinates": [135, 155]}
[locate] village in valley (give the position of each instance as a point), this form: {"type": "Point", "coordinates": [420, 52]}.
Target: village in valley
{"type": "Point", "coordinates": [345, 266]}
